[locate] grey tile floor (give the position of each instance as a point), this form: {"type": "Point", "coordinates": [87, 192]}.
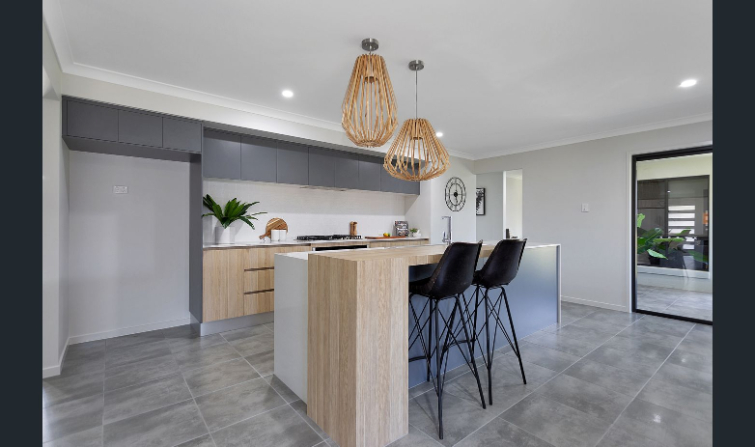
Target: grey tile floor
{"type": "Point", "coordinates": [600, 378]}
{"type": "Point", "coordinates": [677, 302]}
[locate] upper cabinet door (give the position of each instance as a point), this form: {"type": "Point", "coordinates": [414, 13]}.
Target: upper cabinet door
{"type": "Point", "coordinates": [140, 128]}
{"type": "Point", "coordinates": [91, 121]}
{"type": "Point", "coordinates": [293, 163]}
{"type": "Point", "coordinates": [182, 135]}
{"type": "Point", "coordinates": [388, 183]}
{"type": "Point", "coordinates": [369, 172]}
{"type": "Point", "coordinates": [322, 167]}
{"type": "Point", "coordinates": [221, 157]}
{"type": "Point", "coordinates": [259, 159]}
{"type": "Point", "coordinates": [347, 170]}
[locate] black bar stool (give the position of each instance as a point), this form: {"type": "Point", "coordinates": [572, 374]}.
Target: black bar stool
{"type": "Point", "coordinates": [499, 270]}
{"type": "Point", "coordinates": [451, 278]}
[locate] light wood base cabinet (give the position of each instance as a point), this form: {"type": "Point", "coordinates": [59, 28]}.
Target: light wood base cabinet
{"type": "Point", "coordinates": [239, 281]}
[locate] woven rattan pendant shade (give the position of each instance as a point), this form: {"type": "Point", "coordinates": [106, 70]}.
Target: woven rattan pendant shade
{"type": "Point", "coordinates": [369, 107]}
{"type": "Point", "coordinates": [416, 153]}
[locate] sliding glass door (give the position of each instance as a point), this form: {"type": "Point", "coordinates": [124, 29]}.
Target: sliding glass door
{"type": "Point", "coordinates": [672, 234]}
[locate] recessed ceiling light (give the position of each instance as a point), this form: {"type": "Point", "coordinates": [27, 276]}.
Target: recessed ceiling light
{"type": "Point", "coordinates": [438, 134]}
{"type": "Point", "coordinates": [688, 83]}
{"type": "Point", "coordinates": [287, 94]}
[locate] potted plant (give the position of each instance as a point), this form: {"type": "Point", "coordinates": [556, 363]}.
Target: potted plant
{"type": "Point", "coordinates": [233, 211]}
{"type": "Point", "coordinates": [662, 248]}
{"type": "Point", "coordinates": [415, 232]}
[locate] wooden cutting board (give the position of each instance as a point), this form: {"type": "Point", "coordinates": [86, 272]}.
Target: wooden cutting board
{"type": "Point", "coordinates": [386, 237]}
{"type": "Point", "coordinates": [276, 223]}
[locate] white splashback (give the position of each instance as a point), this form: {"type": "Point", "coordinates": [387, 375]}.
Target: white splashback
{"type": "Point", "coordinates": [306, 210]}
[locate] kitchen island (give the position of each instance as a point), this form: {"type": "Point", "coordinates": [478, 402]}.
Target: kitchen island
{"type": "Point", "coordinates": [342, 331]}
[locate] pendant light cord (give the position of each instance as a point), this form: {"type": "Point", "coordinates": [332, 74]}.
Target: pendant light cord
{"type": "Point", "coordinates": [416, 93]}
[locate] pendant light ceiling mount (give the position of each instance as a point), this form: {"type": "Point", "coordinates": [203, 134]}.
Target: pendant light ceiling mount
{"type": "Point", "coordinates": [416, 153]}
{"type": "Point", "coordinates": [369, 106]}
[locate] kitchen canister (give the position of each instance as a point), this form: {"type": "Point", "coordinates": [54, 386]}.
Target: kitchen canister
{"type": "Point", "coordinates": [282, 235]}
{"type": "Point", "coordinates": [275, 235]}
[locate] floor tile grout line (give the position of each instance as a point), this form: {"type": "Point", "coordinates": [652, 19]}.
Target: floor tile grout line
{"type": "Point", "coordinates": [246, 419]}
{"type": "Point", "coordinates": [550, 380]}
{"type": "Point", "coordinates": [645, 384]}
{"type": "Point", "coordinates": [204, 421]}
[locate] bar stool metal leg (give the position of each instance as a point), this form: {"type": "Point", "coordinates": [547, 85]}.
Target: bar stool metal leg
{"type": "Point", "coordinates": [513, 334]}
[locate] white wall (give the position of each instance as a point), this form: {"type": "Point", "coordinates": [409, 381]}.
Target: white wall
{"type": "Point", "coordinates": [513, 203]}
{"type": "Point", "coordinates": [595, 245]}
{"type": "Point", "coordinates": [129, 253]}
{"type": "Point", "coordinates": [490, 226]}
{"type": "Point", "coordinates": [430, 206]}
{"type": "Point", "coordinates": [55, 216]}
{"type": "Point", "coordinates": [306, 210]}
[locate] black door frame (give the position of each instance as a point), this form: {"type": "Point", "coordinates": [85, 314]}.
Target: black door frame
{"type": "Point", "coordinates": [633, 224]}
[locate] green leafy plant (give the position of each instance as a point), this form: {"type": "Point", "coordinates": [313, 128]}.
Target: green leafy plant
{"type": "Point", "coordinates": [413, 230]}
{"type": "Point", "coordinates": [651, 242]}
{"type": "Point", "coordinates": [233, 211]}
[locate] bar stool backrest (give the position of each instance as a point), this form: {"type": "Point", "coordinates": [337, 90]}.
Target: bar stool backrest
{"type": "Point", "coordinates": [502, 264]}
{"type": "Point", "coordinates": [455, 271]}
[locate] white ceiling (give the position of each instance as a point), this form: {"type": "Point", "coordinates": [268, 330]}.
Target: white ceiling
{"type": "Point", "coordinates": [500, 76]}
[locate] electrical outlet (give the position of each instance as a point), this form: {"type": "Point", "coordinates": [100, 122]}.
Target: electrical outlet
{"type": "Point", "coordinates": [585, 207]}
{"type": "Point", "coordinates": [120, 189]}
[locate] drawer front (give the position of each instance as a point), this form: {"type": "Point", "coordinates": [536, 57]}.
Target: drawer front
{"type": "Point", "coordinates": [259, 280]}
{"type": "Point", "coordinates": [265, 257]}
{"type": "Point", "coordinates": [393, 244]}
{"type": "Point", "coordinates": [257, 303]}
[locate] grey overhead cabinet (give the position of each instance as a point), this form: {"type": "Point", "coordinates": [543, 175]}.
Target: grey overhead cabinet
{"type": "Point", "coordinates": [322, 167]}
{"type": "Point", "coordinates": [293, 163]}
{"type": "Point", "coordinates": [104, 128]}
{"type": "Point", "coordinates": [182, 135]}
{"type": "Point", "coordinates": [388, 183]}
{"type": "Point", "coordinates": [221, 157]}
{"type": "Point", "coordinates": [87, 120]}
{"type": "Point", "coordinates": [259, 159]}
{"type": "Point", "coordinates": [140, 128]}
{"type": "Point", "coordinates": [369, 172]}
{"type": "Point", "coordinates": [347, 170]}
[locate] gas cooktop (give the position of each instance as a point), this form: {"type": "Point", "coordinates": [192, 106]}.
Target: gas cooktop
{"type": "Point", "coordinates": [332, 237]}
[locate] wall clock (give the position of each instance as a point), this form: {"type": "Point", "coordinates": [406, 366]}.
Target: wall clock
{"type": "Point", "coordinates": [456, 194]}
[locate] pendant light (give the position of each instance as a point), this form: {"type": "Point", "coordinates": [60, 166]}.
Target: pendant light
{"type": "Point", "coordinates": [369, 107]}
{"type": "Point", "coordinates": [416, 153]}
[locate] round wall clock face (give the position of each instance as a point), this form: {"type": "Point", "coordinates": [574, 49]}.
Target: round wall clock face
{"type": "Point", "coordinates": [456, 194]}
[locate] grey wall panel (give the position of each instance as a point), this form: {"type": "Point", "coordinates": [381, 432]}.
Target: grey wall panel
{"type": "Point", "coordinates": [322, 167]}
{"type": "Point", "coordinates": [370, 172]}
{"type": "Point", "coordinates": [259, 159]}
{"type": "Point", "coordinates": [140, 128]}
{"type": "Point", "coordinates": [195, 237]}
{"type": "Point", "coordinates": [347, 170]}
{"type": "Point", "coordinates": [182, 135]}
{"type": "Point", "coordinates": [293, 163]}
{"type": "Point", "coordinates": [221, 157]}
{"type": "Point", "coordinates": [91, 121]}
{"type": "Point", "coordinates": [533, 297]}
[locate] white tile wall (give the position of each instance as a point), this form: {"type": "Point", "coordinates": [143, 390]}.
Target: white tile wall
{"type": "Point", "coordinates": [306, 210]}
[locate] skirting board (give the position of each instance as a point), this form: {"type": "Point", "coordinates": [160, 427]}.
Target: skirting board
{"type": "Point", "coordinates": [52, 371]}
{"type": "Point", "coordinates": [571, 299]}
{"type": "Point", "coordinates": [128, 330]}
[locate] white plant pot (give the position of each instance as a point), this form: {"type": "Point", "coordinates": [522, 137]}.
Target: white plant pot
{"type": "Point", "coordinates": [223, 235]}
{"type": "Point", "coordinates": [417, 234]}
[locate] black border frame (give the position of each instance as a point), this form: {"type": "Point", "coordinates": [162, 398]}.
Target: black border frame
{"type": "Point", "coordinates": [633, 212]}
{"type": "Point", "coordinates": [484, 205]}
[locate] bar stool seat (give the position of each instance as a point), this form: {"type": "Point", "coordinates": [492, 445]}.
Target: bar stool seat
{"type": "Point", "coordinates": [452, 276]}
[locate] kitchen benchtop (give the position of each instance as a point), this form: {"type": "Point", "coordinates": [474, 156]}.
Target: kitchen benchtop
{"type": "Point", "coordinates": [290, 243]}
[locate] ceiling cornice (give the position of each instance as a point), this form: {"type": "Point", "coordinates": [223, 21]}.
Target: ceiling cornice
{"type": "Point", "coordinates": [600, 135]}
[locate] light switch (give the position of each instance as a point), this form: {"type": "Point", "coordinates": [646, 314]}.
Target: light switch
{"type": "Point", "coordinates": [585, 207]}
{"type": "Point", "coordinates": [120, 189]}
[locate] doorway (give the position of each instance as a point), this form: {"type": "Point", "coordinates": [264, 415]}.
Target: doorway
{"type": "Point", "coordinates": [672, 234]}
{"type": "Point", "coordinates": [499, 205]}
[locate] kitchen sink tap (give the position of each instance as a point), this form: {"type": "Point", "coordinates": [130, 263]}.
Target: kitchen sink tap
{"type": "Point", "coordinates": [447, 233]}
